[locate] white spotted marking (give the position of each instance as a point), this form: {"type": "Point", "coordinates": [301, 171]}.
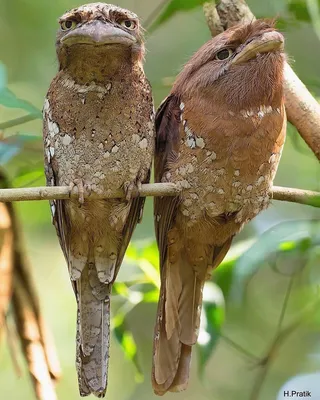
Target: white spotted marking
{"type": "Point", "coordinates": [220, 191]}
{"type": "Point", "coordinates": [115, 149]}
{"type": "Point", "coordinates": [51, 149]}
{"type": "Point", "coordinates": [113, 256]}
{"type": "Point", "coordinates": [100, 90]}
{"type": "Point", "coordinates": [237, 172]}
{"type": "Point", "coordinates": [182, 106]}
{"type": "Point", "coordinates": [220, 171]}
{"type": "Point", "coordinates": [211, 156]}
{"type": "Point", "coordinates": [249, 188]}
{"type": "Point", "coordinates": [260, 180]}
{"type": "Point", "coordinates": [135, 138]}
{"type": "Point", "coordinates": [53, 128]}
{"type": "Point", "coordinates": [273, 158]}
{"type": "Point", "coordinates": [200, 142]}
{"type": "Point", "coordinates": [184, 184]}
{"type": "Point", "coordinates": [260, 112]}
{"type": "Point", "coordinates": [236, 184]}
{"type": "Point", "coordinates": [143, 144]}
{"type": "Point", "coordinates": [66, 140]}
{"type": "Point", "coordinates": [189, 168]}
{"type": "Point", "coordinates": [53, 208]}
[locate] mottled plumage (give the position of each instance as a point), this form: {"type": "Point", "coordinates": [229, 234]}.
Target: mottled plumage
{"type": "Point", "coordinates": [98, 136]}
{"type": "Point", "coordinates": [219, 137]}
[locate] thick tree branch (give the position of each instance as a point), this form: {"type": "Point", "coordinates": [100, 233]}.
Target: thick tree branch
{"type": "Point", "coordinates": [303, 110]}
{"type": "Point", "coordinates": [307, 197]}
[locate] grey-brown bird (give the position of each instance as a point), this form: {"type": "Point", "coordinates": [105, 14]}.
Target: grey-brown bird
{"type": "Point", "coordinates": [98, 136]}
{"type": "Point", "coordinates": [219, 137]}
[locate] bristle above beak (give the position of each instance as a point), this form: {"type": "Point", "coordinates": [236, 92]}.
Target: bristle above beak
{"type": "Point", "coordinates": [266, 43]}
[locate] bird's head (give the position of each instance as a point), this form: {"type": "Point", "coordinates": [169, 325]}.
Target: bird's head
{"type": "Point", "coordinates": [242, 66]}
{"type": "Point", "coordinates": [99, 30]}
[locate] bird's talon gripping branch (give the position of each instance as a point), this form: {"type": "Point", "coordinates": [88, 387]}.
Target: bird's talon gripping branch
{"type": "Point", "coordinates": [78, 183]}
{"type": "Point", "coordinates": [131, 190]}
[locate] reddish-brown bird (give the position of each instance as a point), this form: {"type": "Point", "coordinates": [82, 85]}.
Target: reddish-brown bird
{"type": "Point", "coordinates": [220, 133]}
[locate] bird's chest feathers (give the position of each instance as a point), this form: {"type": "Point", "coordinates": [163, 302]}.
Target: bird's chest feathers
{"type": "Point", "coordinates": [227, 161]}
{"type": "Point", "coordinates": [94, 128]}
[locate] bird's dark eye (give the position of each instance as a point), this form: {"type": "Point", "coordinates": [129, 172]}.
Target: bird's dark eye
{"type": "Point", "coordinates": [224, 54]}
{"type": "Point", "coordinates": [129, 24]}
{"type": "Point", "coordinates": [68, 24]}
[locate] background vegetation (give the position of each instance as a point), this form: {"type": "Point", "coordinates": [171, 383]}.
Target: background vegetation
{"type": "Point", "coordinates": [261, 320]}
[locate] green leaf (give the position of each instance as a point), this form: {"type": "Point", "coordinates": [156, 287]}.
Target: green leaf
{"type": "Point", "coordinates": [223, 275]}
{"type": "Point", "coordinates": [147, 259]}
{"type": "Point", "coordinates": [11, 146]}
{"type": "Point", "coordinates": [151, 297]}
{"type": "Point", "coordinates": [299, 10]}
{"type": "Point", "coordinates": [213, 316]}
{"type": "Point", "coordinates": [129, 347]}
{"type": "Point", "coordinates": [151, 253]}
{"type": "Point", "coordinates": [287, 237]}
{"type": "Point", "coordinates": [172, 8]}
{"type": "Point", "coordinates": [8, 151]}
{"type": "Point", "coordinates": [10, 100]}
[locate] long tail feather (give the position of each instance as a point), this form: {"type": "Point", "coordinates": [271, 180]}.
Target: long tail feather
{"type": "Point", "coordinates": [183, 275]}
{"type": "Point", "coordinates": [93, 333]}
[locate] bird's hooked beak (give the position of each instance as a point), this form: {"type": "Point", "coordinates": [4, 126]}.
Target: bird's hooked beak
{"type": "Point", "coordinates": [267, 42]}
{"type": "Point", "coordinates": [98, 33]}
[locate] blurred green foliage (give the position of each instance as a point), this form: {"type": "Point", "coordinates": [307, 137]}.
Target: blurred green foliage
{"type": "Point", "coordinates": [259, 299]}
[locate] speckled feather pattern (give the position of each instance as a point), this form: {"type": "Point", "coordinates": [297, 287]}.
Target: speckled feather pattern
{"type": "Point", "coordinates": [220, 134]}
{"type": "Point", "coordinates": [98, 136]}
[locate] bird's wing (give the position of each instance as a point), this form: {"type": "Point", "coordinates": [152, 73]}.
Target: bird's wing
{"type": "Point", "coordinates": [167, 145]}
{"type": "Point", "coordinates": [59, 219]}
{"type": "Point", "coordinates": [134, 217]}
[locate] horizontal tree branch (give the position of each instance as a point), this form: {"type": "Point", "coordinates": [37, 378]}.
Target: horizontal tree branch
{"type": "Point", "coordinates": [292, 195]}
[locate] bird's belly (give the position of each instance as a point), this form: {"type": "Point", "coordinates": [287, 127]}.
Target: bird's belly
{"type": "Point", "coordinates": [102, 165]}
{"type": "Point", "coordinates": [211, 188]}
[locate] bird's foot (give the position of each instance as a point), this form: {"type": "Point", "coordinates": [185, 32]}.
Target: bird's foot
{"type": "Point", "coordinates": [82, 189]}
{"type": "Point", "coordinates": [132, 189]}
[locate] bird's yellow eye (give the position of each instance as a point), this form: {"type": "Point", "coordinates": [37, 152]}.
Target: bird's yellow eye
{"type": "Point", "coordinates": [224, 54]}
{"type": "Point", "coordinates": [129, 24]}
{"type": "Point", "coordinates": [68, 24]}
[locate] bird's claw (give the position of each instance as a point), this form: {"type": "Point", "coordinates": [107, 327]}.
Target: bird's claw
{"type": "Point", "coordinates": [131, 190]}
{"type": "Point", "coordinates": [78, 183]}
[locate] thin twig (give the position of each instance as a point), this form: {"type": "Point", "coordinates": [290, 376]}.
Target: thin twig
{"type": "Point", "coordinates": [18, 121]}
{"type": "Point", "coordinates": [240, 349]}
{"type": "Point", "coordinates": [307, 197]}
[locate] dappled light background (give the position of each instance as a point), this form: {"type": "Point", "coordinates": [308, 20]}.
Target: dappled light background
{"type": "Point", "coordinates": [269, 281]}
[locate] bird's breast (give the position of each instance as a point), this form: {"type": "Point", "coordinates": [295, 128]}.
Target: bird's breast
{"type": "Point", "coordinates": [225, 167]}
{"type": "Point", "coordinates": [103, 134]}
